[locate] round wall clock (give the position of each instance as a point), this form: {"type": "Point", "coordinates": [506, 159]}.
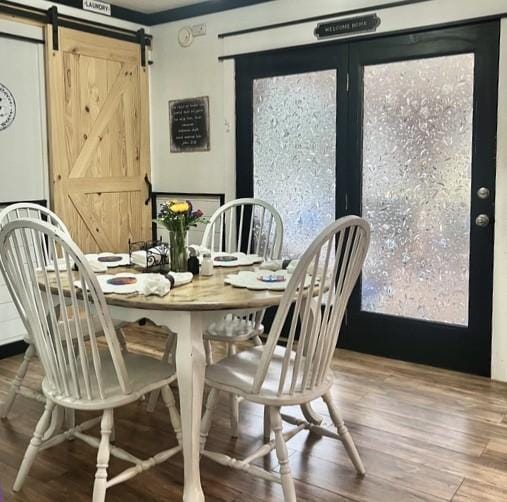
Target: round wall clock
{"type": "Point", "coordinates": [7, 107]}
{"type": "Point", "coordinates": [185, 36]}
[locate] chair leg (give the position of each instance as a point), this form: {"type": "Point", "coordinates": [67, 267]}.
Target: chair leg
{"type": "Point", "coordinates": [234, 415]}
{"type": "Point", "coordinates": [33, 447]}
{"type": "Point", "coordinates": [344, 434]}
{"type": "Point", "coordinates": [208, 350]}
{"type": "Point", "coordinates": [208, 415]}
{"type": "Point", "coordinates": [56, 423]}
{"type": "Point", "coordinates": [233, 400]}
{"type": "Point", "coordinates": [310, 414]}
{"type": "Point", "coordinates": [170, 402]}
{"type": "Point", "coordinates": [16, 384]}
{"type": "Point", "coordinates": [267, 425]}
{"type": "Point", "coordinates": [100, 485]}
{"type": "Point", "coordinates": [168, 355]}
{"type": "Point", "coordinates": [289, 490]}
{"type": "Point", "coordinates": [121, 338]}
{"type": "Point", "coordinates": [153, 400]}
{"type": "Point", "coordinates": [257, 340]}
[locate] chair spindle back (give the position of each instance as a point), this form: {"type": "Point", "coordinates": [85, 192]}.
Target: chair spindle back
{"type": "Point", "coordinates": [331, 265]}
{"type": "Point", "coordinates": [65, 337]}
{"type": "Point", "coordinates": [248, 225]}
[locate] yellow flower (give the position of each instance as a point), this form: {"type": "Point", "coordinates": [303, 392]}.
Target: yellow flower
{"type": "Point", "coordinates": [179, 207]}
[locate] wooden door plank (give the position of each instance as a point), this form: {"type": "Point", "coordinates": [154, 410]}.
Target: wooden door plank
{"type": "Point", "coordinates": [93, 221]}
{"type": "Point", "coordinates": [97, 46]}
{"type": "Point", "coordinates": [144, 93]}
{"type": "Point", "coordinates": [94, 138]}
{"type": "Point", "coordinates": [58, 163]}
{"type": "Point", "coordinates": [105, 185]}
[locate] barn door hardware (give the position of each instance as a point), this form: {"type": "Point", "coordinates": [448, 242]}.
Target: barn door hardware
{"type": "Point", "coordinates": [53, 21]}
{"type": "Point", "coordinates": [141, 38]}
{"type": "Point", "coordinates": [150, 189]}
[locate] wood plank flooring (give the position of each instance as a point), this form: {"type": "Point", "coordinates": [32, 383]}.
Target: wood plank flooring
{"type": "Point", "coordinates": [424, 434]}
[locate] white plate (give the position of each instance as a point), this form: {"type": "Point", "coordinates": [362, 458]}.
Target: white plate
{"type": "Point", "coordinates": [123, 259]}
{"type": "Point", "coordinates": [107, 286]}
{"type": "Point", "coordinates": [107, 281]}
{"type": "Point", "coordinates": [243, 260]}
{"type": "Point", "coordinates": [250, 280]}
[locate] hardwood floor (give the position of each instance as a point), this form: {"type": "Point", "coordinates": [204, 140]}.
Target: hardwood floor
{"type": "Point", "coordinates": [424, 435]}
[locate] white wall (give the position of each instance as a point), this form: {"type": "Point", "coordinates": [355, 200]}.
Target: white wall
{"type": "Point", "coordinates": [195, 71]}
{"type": "Point", "coordinates": [499, 355]}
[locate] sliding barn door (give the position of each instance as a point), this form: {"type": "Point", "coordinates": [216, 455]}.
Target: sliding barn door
{"type": "Point", "coordinates": [99, 139]}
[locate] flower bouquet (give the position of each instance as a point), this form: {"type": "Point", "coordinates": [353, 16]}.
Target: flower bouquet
{"type": "Point", "coordinates": [177, 217]}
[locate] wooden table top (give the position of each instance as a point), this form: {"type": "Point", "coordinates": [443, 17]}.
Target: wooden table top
{"type": "Point", "coordinates": [202, 294]}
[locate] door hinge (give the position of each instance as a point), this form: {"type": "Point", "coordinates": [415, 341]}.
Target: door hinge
{"type": "Point", "coordinates": [346, 202]}
{"type": "Point", "coordinates": [348, 82]}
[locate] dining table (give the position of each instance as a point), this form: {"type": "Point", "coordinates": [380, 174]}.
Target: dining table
{"type": "Point", "coordinates": [187, 310]}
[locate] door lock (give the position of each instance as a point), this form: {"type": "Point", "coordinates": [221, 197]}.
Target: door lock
{"type": "Point", "coordinates": [483, 193]}
{"type": "Point", "coordinates": [482, 220]}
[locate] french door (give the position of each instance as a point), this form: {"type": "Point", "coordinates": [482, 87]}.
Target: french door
{"type": "Point", "coordinates": [400, 130]}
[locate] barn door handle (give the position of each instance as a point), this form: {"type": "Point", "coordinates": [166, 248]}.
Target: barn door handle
{"type": "Point", "coordinates": [150, 189]}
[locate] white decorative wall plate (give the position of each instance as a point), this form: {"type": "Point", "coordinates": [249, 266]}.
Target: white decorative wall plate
{"type": "Point", "coordinates": [7, 107]}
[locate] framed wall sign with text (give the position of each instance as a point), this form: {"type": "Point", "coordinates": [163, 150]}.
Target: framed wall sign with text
{"type": "Point", "coordinates": [189, 125]}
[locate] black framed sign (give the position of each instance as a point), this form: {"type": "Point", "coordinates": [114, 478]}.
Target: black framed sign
{"type": "Point", "coordinates": [347, 26]}
{"type": "Point", "coordinates": [189, 125]}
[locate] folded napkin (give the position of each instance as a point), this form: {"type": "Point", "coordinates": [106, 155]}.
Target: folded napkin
{"type": "Point", "coordinates": [140, 258]}
{"type": "Point", "coordinates": [97, 267]}
{"type": "Point", "coordinates": [154, 284]}
{"type": "Point", "coordinates": [179, 278]}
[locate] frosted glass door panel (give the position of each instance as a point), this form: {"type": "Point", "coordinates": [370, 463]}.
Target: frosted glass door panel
{"type": "Point", "coordinates": [417, 154]}
{"type": "Point", "coordinates": [294, 119]}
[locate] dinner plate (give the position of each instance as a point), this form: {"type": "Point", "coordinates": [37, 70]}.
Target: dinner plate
{"type": "Point", "coordinates": [129, 283]}
{"type": "Point", "coordinates": [110, 260]}
{"type": "Point", "coordinates": [259, 280]}
{"type": "Point", "coordinates": [222, 259]}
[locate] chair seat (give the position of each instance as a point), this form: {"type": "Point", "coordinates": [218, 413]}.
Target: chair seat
{"type": "Point", "coordinates": [232, 328]}
{"type": "Point", "coordinates": [145, 374]}
{"type": "Point", "coordinates": [236, 374]}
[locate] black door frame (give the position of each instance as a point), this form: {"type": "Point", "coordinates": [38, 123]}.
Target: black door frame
{"type": "Point", "coordinates": [444, 345]}
{"type": "Point", "coordinates": [454, 348]}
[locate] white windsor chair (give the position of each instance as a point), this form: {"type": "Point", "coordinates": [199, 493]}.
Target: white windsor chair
{"type": "Point", "coordinates": [276, 376]}
{"type": "Point", "coordinates": [79, 373]}
{"type": "Point", "coordinates": [246, 225]}
{"type": "Point", "coordinates": [251, 226]}
{"type": "Point", "coordinates": [12, 213]}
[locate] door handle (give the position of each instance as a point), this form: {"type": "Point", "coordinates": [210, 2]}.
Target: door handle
{"type": "Point", "coordinates": [482, 220]}
{"type": "Point", "coordinates": [150, 189]}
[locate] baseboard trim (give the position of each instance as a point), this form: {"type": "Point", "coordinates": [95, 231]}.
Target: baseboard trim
{"type": "Point", "coordinates": [12, 349]}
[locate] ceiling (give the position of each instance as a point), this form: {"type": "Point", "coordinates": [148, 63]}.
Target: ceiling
{"type": "Point", "coordinates": [150, 6]}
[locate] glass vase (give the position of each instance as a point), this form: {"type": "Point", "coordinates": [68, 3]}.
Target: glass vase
{"type": "Point", "coordinates": [178, 250]}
